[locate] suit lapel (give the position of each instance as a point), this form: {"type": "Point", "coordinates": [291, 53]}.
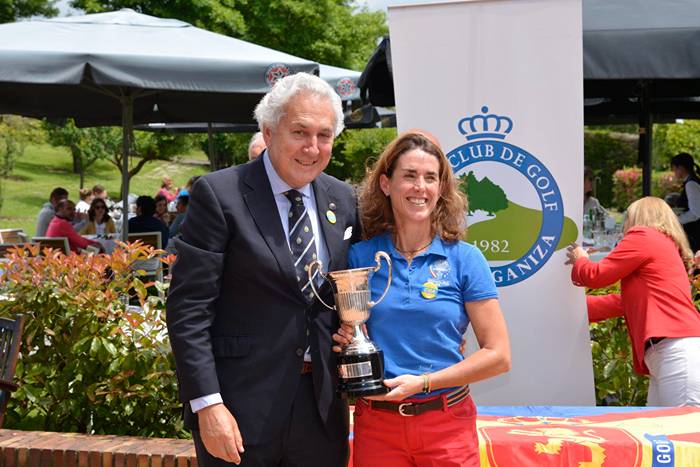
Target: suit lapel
{"type": "Point", "coordinates": [332, 232]}
{"type": "Point", "coordinates": [263, 209]}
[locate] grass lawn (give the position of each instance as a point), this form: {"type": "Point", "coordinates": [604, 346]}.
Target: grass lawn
{"type": "Point", "coordinates": [44, 167]}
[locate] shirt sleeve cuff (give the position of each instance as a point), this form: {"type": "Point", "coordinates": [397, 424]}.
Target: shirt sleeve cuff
{"type": "Point", "coordinates": [205, 401]}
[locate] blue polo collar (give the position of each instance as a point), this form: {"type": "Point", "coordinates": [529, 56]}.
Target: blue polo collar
{"type": "Point", "coordinates": [436, 248]}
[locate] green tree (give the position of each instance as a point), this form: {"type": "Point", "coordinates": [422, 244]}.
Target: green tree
{"type": "Point", "coordinates": [220, 16]}
{"type": "Point", "coordinates": [354, 151]}
{"type": "Point", "coordinates": [15, 133]}
{"type": "Point", "coordinates": [12, 10]}
{"type": "Point", "coordinates": [229, 149]}
{"type": "Point", "coordinates": [86, 145]}
{"type": "Point", "coordinates": [606, 152]}
{"type": "Point", "coordinates": [334, 32]}
{"type": "Point", "coordinates": [91, 144]}
{"type": "Point", "coordinates": [675, 138]}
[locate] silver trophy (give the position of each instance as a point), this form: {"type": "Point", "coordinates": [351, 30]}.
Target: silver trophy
{"type": "Point", "coordinates": [361, 362]}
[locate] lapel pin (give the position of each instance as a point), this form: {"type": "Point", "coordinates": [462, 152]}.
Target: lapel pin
{"type": "Point", "coordinates": [331, 206]}
{"type": "Point", "coordinates": [330, 215]}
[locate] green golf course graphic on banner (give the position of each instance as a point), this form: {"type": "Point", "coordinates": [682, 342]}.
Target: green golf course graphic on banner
{"type": "Point", "coordinates": [509, 229]}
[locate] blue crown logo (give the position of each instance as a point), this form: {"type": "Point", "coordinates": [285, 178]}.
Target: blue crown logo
{"type": "Point", "coordinates": [485, 126]}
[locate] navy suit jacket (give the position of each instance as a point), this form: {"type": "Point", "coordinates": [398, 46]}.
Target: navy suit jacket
{"type": "Point", "coordinates": [236, 317]}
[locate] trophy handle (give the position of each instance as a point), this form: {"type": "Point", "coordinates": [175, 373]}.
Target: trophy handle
{"type": "Point", "coordinates": [377, 257]}
{"type": "Point", "coordinates": [317, 264]}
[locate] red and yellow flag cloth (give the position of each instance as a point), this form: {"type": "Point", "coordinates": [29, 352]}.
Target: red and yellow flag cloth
{"type": "Point", "coordinates": [589, 436]}
{"type": "Point", "coordinates": [546, 436]}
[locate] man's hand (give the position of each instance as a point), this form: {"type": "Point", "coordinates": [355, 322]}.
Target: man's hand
{"type": "Point", "coordinates": [220, 434]}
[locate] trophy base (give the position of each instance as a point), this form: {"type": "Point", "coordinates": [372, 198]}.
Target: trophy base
{"type": "Point", "coordinates": [362, 375]}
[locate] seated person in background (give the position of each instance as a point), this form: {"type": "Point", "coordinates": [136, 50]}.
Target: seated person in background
{"type": "Point", "coordinates": [651, 260]}
{"type": "Point", "coordinates": [145, 222]}
{"type": "Point", "coordinates": [590, 204]}
{"type": "Point", "coordinates": [166, 189]}
{"type": "Point", "coordinates": [162, 213]}
{"type": "Point", "coordinates": [185, 191]}
{"type": "Point", "coordinates": [60, 226]}
{"type": "Point", "coordinates": [256, 146]}
{"type": "Point", "coordinates": [48, 210]}
{"type": "Point", "coordinates": [99, 220]}
{"type": "Point", "coordinates": [98, 191]}
{"type": "Point", "coordinates": [181, 206]}
{"type": "Point", "coordinates": [83, 205]}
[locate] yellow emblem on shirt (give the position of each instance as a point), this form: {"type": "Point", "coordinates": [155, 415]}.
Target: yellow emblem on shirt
{"type": "Point", "coordinates": [430, 290]}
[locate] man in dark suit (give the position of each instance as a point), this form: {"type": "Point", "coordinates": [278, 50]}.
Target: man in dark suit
{"type": "Point", "coordinates": [251, 342]}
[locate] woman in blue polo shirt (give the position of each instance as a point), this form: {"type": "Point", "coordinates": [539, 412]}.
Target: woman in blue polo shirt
{"type": "Point", "coordinates": [412, 209]}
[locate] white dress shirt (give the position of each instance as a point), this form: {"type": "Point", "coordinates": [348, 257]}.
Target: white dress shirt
{"type": "Point", "coordinates": [692, 191]}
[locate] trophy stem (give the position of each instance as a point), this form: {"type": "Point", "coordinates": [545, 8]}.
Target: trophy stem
{"type": "Point", "coordinates": [359, 335]}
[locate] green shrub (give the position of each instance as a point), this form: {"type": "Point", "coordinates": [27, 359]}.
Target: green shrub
{"type": "Point", "coordinates": [89, 363]}
{"type": "Point", "coordinates": [627, 186]}
{"type": "Point", "coordinates": [616, 383]}
{"type": "Point", "coordinates": [605, 152]}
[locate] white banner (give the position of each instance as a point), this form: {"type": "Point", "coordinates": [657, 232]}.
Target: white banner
{"type": "Point", "coordinates": [500, 83]}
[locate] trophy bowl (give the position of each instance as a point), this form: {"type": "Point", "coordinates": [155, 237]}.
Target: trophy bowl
{"type": "Point", "coordinates": [361, 362]}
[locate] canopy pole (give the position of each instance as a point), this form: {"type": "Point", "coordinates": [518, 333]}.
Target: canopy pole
{"type": "Point", "coordinates": [127, 101]}
{"type": "Point", "coordinates": [646, 130]}
{"type": "Point", "coordinates": [213, 156]}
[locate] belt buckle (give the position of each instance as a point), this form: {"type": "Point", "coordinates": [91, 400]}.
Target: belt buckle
{"type": "Point", "coordinates": [401, 407]}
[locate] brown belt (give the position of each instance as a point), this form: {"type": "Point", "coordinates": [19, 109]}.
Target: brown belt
{"type": "Point", "coordinates": [306, 368]}
{"type": "Point", "coordinates": [410, 409]}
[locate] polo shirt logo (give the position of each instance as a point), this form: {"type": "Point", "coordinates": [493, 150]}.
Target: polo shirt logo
{"type": "Point", "coordinates": [430, 290]}
{"type": "Point", "coordinates": [516, 213]}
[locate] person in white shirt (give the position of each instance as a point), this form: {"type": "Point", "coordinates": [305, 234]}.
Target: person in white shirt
{"type": "Point", "coordinates": [83, 205]}
{"type": "Point", "coordinates": [685, 169]}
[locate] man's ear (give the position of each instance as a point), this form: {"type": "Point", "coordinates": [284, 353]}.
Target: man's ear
{"type": "Point", "coordinates": [266, 134]}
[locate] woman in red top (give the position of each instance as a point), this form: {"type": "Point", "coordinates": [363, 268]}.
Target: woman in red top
{"type": "Point", "coordinates": [662, 321]}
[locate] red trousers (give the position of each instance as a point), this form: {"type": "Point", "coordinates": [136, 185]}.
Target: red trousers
{"type": "Point", "coordinates": [438, 438]}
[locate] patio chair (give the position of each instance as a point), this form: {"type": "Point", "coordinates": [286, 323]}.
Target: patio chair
{"type": "Point", "coordinates": [13, 236]}
{"type": "Point", "coordinates": [153, 267]}
{"type": "Point", "coordinates": [10, 339]}
{"type": "Point", "coordinates": [5, 249]}
{"type": "Point", "coordinates": [59, 243]}
{"type": "Point", "coordinates": [148, 238]}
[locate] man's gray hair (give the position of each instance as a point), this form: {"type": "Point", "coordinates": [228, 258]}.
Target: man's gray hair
{"type": "Point", "coordinates": [271, 108]}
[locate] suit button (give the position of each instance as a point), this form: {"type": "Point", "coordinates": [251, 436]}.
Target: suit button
{"type": "Point", "coordinates": [300, 352]}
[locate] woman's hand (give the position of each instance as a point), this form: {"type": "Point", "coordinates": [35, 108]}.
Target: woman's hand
{"type": "Point", "coordinates": [343, 336]}
{"type": "Point", "coordinates": [402, 387]}
{"type": "Point", "coordinates": [574, 252]}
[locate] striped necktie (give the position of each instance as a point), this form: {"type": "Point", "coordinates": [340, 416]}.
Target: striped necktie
{"type": "Point", "coordinates": [301, 241]}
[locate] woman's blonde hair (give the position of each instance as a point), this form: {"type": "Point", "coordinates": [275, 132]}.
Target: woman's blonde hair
{"type": "Point", "coordinates": [655, 213]}
{"type": "Point", "coordinates": [448, 220]}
